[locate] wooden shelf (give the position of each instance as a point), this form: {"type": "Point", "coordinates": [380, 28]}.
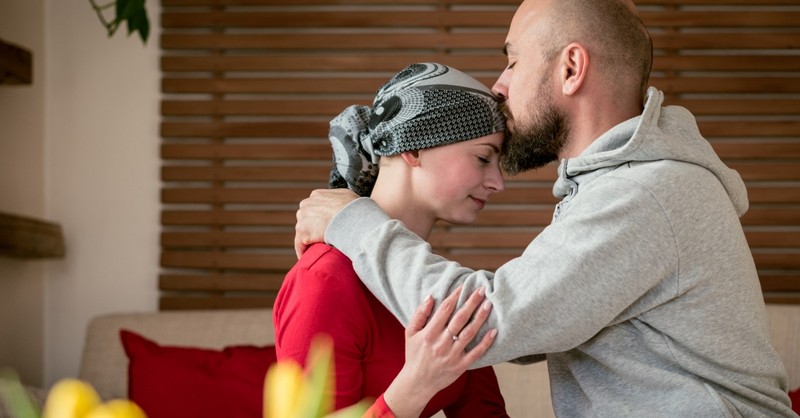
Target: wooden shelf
{"type": "Point", "coordinates": [24, 237]}
{"type": "Point", "coordinates": [15, 64]}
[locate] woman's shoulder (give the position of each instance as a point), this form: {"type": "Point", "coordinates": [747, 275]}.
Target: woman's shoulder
{"type": "Point", "coordinates": [323, 267]}
{"type": "Point", "coordinates": [322, 254]}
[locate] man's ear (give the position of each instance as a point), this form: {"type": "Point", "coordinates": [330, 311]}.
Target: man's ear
{"type": "Point", "coordinates": [575, 64]}
{"type": "Point", "coordinates": [411, 158]}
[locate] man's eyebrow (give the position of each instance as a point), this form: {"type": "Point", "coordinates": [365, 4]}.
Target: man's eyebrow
{"type": "Point", "coordinates": [505, 49]}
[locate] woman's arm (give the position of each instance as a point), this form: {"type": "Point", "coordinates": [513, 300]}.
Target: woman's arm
{"type": "Point", "coordinates": [436, 353]}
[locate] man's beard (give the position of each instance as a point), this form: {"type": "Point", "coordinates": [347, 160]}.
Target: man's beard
{"type": "Point", "coordinates": [536, 143]}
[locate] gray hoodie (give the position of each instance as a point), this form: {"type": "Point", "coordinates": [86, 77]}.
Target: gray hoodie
{"type": "Point", "coordinates": [642, 292]}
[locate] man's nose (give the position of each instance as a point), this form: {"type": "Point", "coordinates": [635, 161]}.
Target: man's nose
{"type": "Point", "coordinates": [500, 88]}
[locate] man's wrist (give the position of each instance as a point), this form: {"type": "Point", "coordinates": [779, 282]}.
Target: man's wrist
{"type": "Point", "coordinates": [354, 220]}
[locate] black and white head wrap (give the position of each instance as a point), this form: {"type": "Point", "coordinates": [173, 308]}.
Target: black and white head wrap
{"type": "Point", "coordinates": [425, 105]}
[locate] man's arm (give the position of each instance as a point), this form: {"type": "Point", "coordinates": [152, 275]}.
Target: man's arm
{"type": "Point", "coordinates": [579, 275]}
{"type": "Point", "coordinates": [315, 213]}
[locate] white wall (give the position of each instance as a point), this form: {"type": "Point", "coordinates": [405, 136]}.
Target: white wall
{"type": "Point", "coordinates": [22, 186]}
{"type": "Point", "coordinates": [102, 174]}
{"type": "Point", "coordinates": [78, 147]}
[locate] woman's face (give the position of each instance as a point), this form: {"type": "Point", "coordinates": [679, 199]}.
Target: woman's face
{"type": "Point", "coordinates": [455, 181]}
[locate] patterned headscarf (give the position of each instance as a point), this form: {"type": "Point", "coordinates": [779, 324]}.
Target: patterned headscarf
{"type": "Point", "coordinates": [423, 106]}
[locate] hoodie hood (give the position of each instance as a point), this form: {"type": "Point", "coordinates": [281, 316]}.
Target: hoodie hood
{"type": "Point", "coordinates": [659, 133]}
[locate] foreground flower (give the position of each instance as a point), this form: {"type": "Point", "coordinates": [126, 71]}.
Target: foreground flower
{"type": "Point", "coordinates": [70, 398]}
{"type": "Point", "coordinates": [117, 408]}
{"type": "Point", "coordinates": [290, 392]}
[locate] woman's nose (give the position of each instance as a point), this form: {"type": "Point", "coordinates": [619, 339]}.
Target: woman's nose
{"type": "Point", "coordinates": [494, 180]}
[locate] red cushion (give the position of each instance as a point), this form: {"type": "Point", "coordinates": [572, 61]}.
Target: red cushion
{"type": "Point", "coordinates": [176, 382]}
{"type": "Point", "coordinates": [795, 397]}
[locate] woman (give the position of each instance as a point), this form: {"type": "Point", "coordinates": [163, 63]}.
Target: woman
{"type": "Point", "coordinates": [427, 150]}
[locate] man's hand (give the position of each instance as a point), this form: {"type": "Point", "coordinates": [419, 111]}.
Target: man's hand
{"type": "Point", "coordinates": [315, 214]}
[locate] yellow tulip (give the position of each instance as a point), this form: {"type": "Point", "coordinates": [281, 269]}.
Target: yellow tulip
{"type": "Point", "coordinates": [70, 398]}
{"type": "Point", "coordinates": [285, 384]}
{"type": "Point", "coordinates": [117, 408]}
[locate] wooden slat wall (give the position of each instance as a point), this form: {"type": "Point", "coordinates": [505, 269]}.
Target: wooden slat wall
{"type": "Point", "coordinates": [250, 85]}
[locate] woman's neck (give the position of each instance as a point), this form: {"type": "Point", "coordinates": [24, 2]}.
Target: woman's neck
{"type": "Point", "coordinates": [396, 199]}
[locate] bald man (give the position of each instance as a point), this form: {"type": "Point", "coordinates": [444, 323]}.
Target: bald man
{"type": "Point", "coordinates": [642, 293]}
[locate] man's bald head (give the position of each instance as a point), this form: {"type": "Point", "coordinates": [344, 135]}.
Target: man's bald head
{"type": "Point", "coordinates": [611, 30]}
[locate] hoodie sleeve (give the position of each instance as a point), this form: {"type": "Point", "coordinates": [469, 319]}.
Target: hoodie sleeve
{"type": "Point", "coordinates": [611, 244]}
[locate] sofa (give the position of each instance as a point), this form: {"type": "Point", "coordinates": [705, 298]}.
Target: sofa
{"type": "Point", "coordinates": [525, 388]}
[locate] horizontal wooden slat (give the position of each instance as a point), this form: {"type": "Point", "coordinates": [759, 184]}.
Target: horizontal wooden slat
{"type": "Point", "coordinates": [720, 18]}
{"type": "Point", "coordinates": [780, 283]}
{"type": "Point", "coordinates": [382, 41]}
{"type": "Point", "coordinates": [495, 62]}
{"type": "Point", "coordinates": [755, 216]}
{"type": "Point", "coordinates": [294, 195]}
{"type": "Point", "coordinates": [218, 260]}
{"type": "Point", "coordinates": [228, 217]}
{"type": "Point", "coordinates": [337, 19]}
{"type": "Point", "coordinates": [278, 107]}
{"type": "Point", "coordinates": [307, 151]}
{"type": "Point", "coordinates": [385, 62]}
{"type": "Point", "coordinates": [319, 129]}
{"type": "Point", "coordinates": [307, 172]}
{"type": "Point", "coordinates": [174, 303]}
{"type": "Point", "coordinates": [217, 282]}
{"type": "Point", "coordinates": [491, 261]}
{"type": "Point", "coordinates": [245, 129]}
{"type": "Point", "coordinates": [272, 173]}
{"type": "Point", "coordinates": [173, 3]}
{"type": "Point", "coordinates": [228, 239]}
{"type": "Point", "coordinates": [777, 260]}
{"type": "Point", "coordinates": [441, 238]}
{"type": "Point", "coordinates": [757, 149]}
{"type": "Point", "coordinates": [232, 195]}
{"type": "Point", "coordinates": [772, 215]}
{"type": "Point", "coordinates": [341, 2]}
{"type": "Point", "coordinates": [450, 18]}
{"type": "Point", "coordinates": [329, 107]}
{"type": "Point", "coordinates": [750, 171]}
{"type": "Point", "coordinates": [738, 106]}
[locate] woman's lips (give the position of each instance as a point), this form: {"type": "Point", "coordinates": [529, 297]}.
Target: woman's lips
{"type": "Point", "coordinates": [481, 203]}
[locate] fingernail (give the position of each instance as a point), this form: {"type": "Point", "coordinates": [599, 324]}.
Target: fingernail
{"type": "Point", "coordinates": [482, 291]}
{"type": "Point", "coordinates": [427, 299]}
{"type": "Point", "coordinates": [492, 333]}
{"type": "Point", "coordinates": [487, 305]}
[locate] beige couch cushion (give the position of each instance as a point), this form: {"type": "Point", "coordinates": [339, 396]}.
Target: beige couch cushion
{"type": "Point", "coordinates": [105, 364]}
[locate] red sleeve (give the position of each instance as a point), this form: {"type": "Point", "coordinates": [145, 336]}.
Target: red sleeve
{"type": "Point", "coordinates": [321, 294]}
{"type": "Point", "coordinates": [481, 396]}
{"type": "Point", "coordinates": [379, 409]}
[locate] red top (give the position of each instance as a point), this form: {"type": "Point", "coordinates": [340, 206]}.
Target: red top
{"type": "Point", "coordinates": [322, 294]}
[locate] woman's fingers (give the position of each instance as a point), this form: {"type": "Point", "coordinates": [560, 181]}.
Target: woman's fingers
{"type": "Point", "coordinates": [472, 328]}
{"type": "Point", "coordinates": [420, 317]}
{"type": "Point", "coordinates": [442, 315]}
{"type": "Point", "coordinates": [465, 312]}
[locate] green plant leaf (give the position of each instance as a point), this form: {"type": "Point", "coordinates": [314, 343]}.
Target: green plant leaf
{"type": "Point", "coordinates": [135, 14]}
{"type": "Point", "coordinates": [15, 397]}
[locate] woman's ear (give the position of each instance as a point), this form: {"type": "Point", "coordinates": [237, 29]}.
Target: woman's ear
{"type": "Point", "coordinates": [411, 158]}
{"type": "Point", "coordinates": [575, 64]}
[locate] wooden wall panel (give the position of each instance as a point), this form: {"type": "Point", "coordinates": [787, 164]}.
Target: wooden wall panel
{"type": "Point", "coordinates": [250, 85]}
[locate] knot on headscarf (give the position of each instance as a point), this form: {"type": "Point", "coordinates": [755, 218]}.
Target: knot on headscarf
{"type": "Point", "coordinates": [423, 106]}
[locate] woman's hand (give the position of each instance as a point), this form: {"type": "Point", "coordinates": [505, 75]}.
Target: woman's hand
{"type": "Point", "coordinates": [436, 353]}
